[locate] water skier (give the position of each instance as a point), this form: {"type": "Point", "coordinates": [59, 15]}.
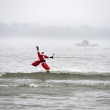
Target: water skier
{"type": "Point", "coordinates": [42, 60]}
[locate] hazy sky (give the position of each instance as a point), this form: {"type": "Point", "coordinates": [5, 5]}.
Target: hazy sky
{"type": "Point", "coordinates": [56, 12]}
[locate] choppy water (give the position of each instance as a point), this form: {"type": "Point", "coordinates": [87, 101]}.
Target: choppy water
{"type": "Point", "coordinates": [79, 79]}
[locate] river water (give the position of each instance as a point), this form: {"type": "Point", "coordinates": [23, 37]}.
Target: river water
{"type": "Point", "coordinates": [79, 78]}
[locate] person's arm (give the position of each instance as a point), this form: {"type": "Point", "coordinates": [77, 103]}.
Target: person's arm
{"type": "Point", "coordinates": [46, 56]}
{"type": "Point", "coordinates": [38, 51]}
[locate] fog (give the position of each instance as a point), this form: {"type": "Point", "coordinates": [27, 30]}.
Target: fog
{"type": "Point", "coordinates": [56, 12]}
{"type": "Point", "coordinates": [55, 20]}
{"type": "Point", "coordinates": [51, 32]}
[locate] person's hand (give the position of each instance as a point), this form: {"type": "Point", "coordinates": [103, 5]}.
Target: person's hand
{"type": "Point", "coordinates": [37, 48]}
{"type": "Point", "coordinates": [51, 57]}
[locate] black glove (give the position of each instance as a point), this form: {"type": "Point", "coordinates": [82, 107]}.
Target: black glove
{"type": "Point", "coordinates": [51, 57]}
{"type": "Point", "coordinates": [37, 48]}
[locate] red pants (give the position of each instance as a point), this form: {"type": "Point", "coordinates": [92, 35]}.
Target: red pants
{"type": "Point", "coordinates": [44, 65]}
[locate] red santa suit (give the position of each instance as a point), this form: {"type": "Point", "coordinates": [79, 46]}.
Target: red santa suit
{"type": "Point", "coordinates": [41, 61]}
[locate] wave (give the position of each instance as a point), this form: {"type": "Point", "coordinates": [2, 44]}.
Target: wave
{"type": "Point", "coordinates": [86, 84]}
{"type": "Point", "coordinates": [59, 75]}
{"type": "Point", "coordinates": [26, 85]}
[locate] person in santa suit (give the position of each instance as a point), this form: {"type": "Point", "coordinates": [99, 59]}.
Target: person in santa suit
{"type": "Point", "coordinates": [42, 60]}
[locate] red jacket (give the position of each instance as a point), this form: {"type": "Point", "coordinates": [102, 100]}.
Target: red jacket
{"type": "Point", "coordinates": [42, 57]}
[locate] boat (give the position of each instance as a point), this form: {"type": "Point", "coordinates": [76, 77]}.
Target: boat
{"type": "Point", "coordinates": [85, 43]}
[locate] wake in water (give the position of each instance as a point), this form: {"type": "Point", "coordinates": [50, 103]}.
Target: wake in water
{"type": "Point", "coordinates": [59, 75]}
{"type": "Point", "coordinates": [56, 79]}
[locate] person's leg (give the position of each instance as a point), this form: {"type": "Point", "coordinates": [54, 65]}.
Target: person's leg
{"type": "Point", "coordinates": [45, 66]}
{"type": "Point", "coordinates": [36, 63]}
